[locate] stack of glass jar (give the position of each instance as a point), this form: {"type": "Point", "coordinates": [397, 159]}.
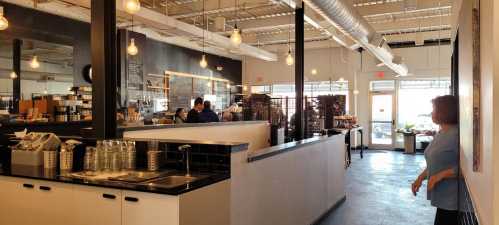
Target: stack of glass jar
{"type": "Point", "coordinates": [110, 156]}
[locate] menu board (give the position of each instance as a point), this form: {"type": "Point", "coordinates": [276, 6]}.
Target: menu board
{"type": "Point", "coordinates": [135, 79]}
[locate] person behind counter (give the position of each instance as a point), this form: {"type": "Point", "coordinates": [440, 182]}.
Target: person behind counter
{"type": "Point", "coordinates": [180, 116]}
{"type": "Point", "coordinates": [193, 115]}
{"type": "Point", "coordinates": [207, 115]}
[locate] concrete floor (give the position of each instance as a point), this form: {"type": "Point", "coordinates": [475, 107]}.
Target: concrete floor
{"type": "Point", "coordinates": [378, 192]}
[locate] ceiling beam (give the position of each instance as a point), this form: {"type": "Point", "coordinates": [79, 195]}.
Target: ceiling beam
{"type": "Point", "coordinates": [398, 7]}
{"type": "Point", "coordinates": [397, 24]}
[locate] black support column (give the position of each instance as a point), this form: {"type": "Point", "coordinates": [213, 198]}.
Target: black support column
{"type": "Point", "coordinates": [16, 68]}
{"type": "Point", "coordinates": [299, 68]}
{"type": "Point", "coordinates": [103, 44]}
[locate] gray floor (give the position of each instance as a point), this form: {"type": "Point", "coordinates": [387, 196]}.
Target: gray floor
{"type": "Point", "coordinates": [378, 192]}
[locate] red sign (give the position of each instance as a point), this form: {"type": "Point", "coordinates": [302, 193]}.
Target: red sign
{"type": "Point", "coordinates": [380, 74]}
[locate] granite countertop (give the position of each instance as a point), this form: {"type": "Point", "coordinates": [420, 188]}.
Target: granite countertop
{"type": "Point", "coordinates": [39, 173]}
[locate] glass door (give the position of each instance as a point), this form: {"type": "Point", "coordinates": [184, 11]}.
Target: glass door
{"type": "Point", "coordinates": [382, 120]}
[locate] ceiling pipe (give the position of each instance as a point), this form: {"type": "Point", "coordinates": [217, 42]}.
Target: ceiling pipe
{"type": "Point", "coordinates": [343, 16]}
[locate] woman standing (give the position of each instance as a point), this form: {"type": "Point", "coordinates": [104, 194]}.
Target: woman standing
{"type": "Point", "coordinates": [442, 162]}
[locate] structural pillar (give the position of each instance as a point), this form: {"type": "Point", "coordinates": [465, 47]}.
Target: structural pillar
{"type": "Point", "coordinates": [104, 77]}
{"type": "Point", "coordinates": [16, 68]}
{"type": "Point", "coordinates": [299, 68]}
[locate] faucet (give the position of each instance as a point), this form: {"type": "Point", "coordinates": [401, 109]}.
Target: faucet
{"type": "Point", "coordinates": [186, 149]}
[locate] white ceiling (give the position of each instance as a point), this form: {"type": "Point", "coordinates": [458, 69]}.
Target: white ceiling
{"type": "Point", "coordinates": [269, 24]}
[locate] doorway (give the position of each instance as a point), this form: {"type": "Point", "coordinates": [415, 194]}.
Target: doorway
{"type": "Point", "coordinates": [382, 119]}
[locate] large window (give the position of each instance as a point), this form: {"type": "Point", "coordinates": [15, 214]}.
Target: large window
{"type": "Point", "coordinates": [414, 103]}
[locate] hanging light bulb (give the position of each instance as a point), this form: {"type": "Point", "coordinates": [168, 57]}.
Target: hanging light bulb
{"type": "Point", "coordinates": [13, 75]}
{"type": "Point", "coordinates": [45, 91]}
{"type": "Point", "coordinates": [289, 58]}
{"type": "Point", "coordinates": [356, 92]}
{"type": "Point", "coordinates": [131, 6]}
{"type": "Point", "coordinates": [208, 84]}
{"type": "Point", "coordinates": [314, 71]}
{"type": "Point", "coordinates": [4, 23]}
{"type": "Point", "coordinates": [203, 63]}
{"type": "Point", "coordinates": [228, 86]}
{"type": "Point", "coordinates": [341, 79]}
{"type": "Point", "coordinates": [235, 37]}
{"type": "Point", "coordinates": [132, 48]}
{"type": "Point", "coordinates": [220, 68]}
{"type": "Point", "coordinates": [245, 88]}
{"type": "Point", "coordinates": [34, 63]}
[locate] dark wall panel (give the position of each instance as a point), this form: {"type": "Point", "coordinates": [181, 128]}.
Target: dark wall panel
{"type": "Point", "coordinates": [32, 24]}
{"type": "Point", "coordinates": [161, 56]}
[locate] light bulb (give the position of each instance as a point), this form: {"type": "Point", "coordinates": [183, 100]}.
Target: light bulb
{"type": "Point", "coordinates": [220, 68]}
{"type": "Point", "coordinates": [356, 92]}
{"type": "Point", "coordinates": [131, 6]}
{"type": "Point", "coordinates": [208, 84]}
{"type": "Point", "coordinates": [13, 75]}
{"type": "Point", "coordinates": [4, 23]}
{"type": "Point", "coordinates": [228, 86]}
{"type": "Point", "coordinates": [34, 63]}
{"type": "Point", "coordinates": [289, 59]}
{"type": "Point", "coordinates": [45, 91]}
{"type": "Point", "coordinates": [341, 79]}
{"type": "Point", "coordinates": [235, 37]}
{"type": "Point", "coordinates": [245, 88]}
{"type": "Point", "coordinates": [314, 71]}
{"type": "Point", "coordinates": [132, 48]}
{"type": "Point", "coordinates": [203, 63]}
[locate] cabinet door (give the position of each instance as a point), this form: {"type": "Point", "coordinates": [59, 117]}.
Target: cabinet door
{"type": "Point", "coordinates": [152, 209]}
{"type": "Point", "coordinates": [54, 203]}
{"type": "Point", "coordinates": [17, 201]}
{"type": "Point", "coordinates": [97, 206]}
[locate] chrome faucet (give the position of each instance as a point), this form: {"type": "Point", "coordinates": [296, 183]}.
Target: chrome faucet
{"type": "Point", "coordinates": [186, 149]}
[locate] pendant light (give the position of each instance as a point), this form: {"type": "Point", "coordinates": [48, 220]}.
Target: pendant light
{"type": "Point", "coordinates": [228, 86]}
{"type": "Point", "coordinates": [131, 6]}
{"type": "Point", "coordinates": [203, 63]}
{"type": "Point", "coordinates": [235, 37]}
{"type": "Point", "coordinates": [132, 48]}
{"type": "Point", "coordinates": [34, 63]}
{"type": "Point", "coordinates": [289, 58]}
{"type": "Point", "coordinates": [13, 75]}
{"type": "Point", "coordinates": [4, 23]}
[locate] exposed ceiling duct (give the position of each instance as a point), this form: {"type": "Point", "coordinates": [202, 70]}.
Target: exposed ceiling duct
{"type": "Point", "coordinates": [342, 15]}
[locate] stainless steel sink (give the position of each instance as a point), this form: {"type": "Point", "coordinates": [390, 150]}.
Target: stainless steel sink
{"type": "Point", "coordinates": [173, 181]}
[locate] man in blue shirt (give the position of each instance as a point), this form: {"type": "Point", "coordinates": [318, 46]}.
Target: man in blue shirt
{"type": "Point", "coordinates": [207, 115]}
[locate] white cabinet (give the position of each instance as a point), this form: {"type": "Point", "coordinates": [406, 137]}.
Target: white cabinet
{"type": "Point", "coordinates": [152, 209]}
{"type": "Point", "coordinates": [53, 203]}
{"type": "Point", "coordinates": [96, 206]}
{"type": "Point", "coordinates": [30, 202]}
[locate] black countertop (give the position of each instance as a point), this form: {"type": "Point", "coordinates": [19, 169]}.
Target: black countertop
{"type": "Point", "coordinates": [39, 173]}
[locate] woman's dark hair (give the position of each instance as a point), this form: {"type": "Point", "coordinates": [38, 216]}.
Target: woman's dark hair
{"type": "Point", "coordinates": [207, 104]}
{"type": "Point", "coordinates": [445, 109]}
{"type": "Point", "coordinates": [198, 101]}
{"type": "Point", "coordinates": [178, 111]}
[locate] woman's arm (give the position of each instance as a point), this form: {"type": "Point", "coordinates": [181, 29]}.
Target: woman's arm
{"type": "Point", "coordinates": [419, 181]}
{"type": "Point", "coordinates": [444, 174]}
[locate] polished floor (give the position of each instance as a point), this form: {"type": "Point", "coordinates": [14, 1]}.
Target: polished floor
{"type": "Point", "coordinates": [378, 192]}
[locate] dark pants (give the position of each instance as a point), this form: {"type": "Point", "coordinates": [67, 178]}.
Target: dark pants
{"type": "Point", "coordinates": [446, 217]}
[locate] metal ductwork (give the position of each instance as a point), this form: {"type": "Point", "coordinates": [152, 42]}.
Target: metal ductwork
{"type": "Point", "coordinates": [343, 16]}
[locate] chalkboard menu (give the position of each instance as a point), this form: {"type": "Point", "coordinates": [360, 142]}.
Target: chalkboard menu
{"type": "Point", "coordinates": [135, 78]}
